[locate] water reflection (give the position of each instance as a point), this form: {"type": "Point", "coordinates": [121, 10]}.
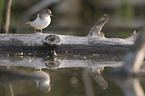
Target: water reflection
{"type": "Point", "coordinates": [43, 84]}
{"type": "Point", "coordinates": [57, 62]}
{"type": "Point", "coordinates": [92, 69]}
{"type": "Point", "coordinates": [8, 77]}
{"type": "Point", "coordinates": [91, 65]}
{"type": "Point", "coordinates": [129, 84]}
{"type": "Point", "coordinates": [96, 73]}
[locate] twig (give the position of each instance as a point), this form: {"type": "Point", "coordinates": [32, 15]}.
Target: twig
{"type": "Point", "coordinates": [96, 29]}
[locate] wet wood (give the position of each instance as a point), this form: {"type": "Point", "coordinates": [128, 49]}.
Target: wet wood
{"type": "Point", "coordinates": [41, 44]}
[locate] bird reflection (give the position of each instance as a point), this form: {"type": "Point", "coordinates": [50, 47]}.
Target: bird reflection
{"type": "Point", "coordinates": [41, 78]}
{"type": "Point", "coordinates": [43, 83]}
{"type": "Point", "coordinates": [8, 76]}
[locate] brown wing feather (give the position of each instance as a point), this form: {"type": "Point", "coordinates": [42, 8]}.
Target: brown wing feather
{"type": "Point", "coordinates": [34, 16]}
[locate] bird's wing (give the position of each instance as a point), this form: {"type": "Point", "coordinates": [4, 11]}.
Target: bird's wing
{"type": "Point", "coordinates": [34, 16]}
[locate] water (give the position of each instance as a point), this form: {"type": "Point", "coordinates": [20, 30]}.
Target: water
{"type": "Point", "coordinates": [67, 81]}
{"type": "Point", "coordinates": [69, 76]}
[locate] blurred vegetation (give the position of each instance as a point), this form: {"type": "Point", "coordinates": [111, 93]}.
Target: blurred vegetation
{"type": "Point", "coordinates": [126, 10]}
{"type": "Point", "coordinates": [76, 17]}
{"type": "Point", "coordinates": [1, 8]}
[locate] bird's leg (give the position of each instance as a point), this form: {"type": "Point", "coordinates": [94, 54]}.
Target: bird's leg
{"type": "Point", "coordinates": [34, 30]}
{"type": "Point", "coordinates": [41, 30]}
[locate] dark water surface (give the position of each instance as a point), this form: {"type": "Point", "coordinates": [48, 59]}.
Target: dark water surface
{"type": "Point", "coordinates": [76, 81]}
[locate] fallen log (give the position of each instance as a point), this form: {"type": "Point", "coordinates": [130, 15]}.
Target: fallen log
{"type": "Point", "coordinates": [43, 44]}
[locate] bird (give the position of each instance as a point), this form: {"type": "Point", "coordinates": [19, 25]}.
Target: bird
{"type": "Point", "coordinates": [40, 19]}
{"type": "Point", "coordinates": [44, 82]}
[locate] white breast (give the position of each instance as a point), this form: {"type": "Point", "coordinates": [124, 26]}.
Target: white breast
{"type": "Point", "coordinates": [39, 23]}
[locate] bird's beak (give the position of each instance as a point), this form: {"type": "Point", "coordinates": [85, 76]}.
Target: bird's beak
{"type": "Point", "coordinates": [52, 15]}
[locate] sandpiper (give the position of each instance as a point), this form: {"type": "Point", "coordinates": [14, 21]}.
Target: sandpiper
{"type": "Point", "coordinates": [40, 19]}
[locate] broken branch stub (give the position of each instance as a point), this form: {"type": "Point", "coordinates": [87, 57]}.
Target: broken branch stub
{"type": "Point", "coordinates": [132, 37]}
{"type": "Point", "coordinates": [96, 29]}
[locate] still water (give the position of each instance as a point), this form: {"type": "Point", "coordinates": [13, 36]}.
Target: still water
{"type": "Point", "coordinates": [84, 79]}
